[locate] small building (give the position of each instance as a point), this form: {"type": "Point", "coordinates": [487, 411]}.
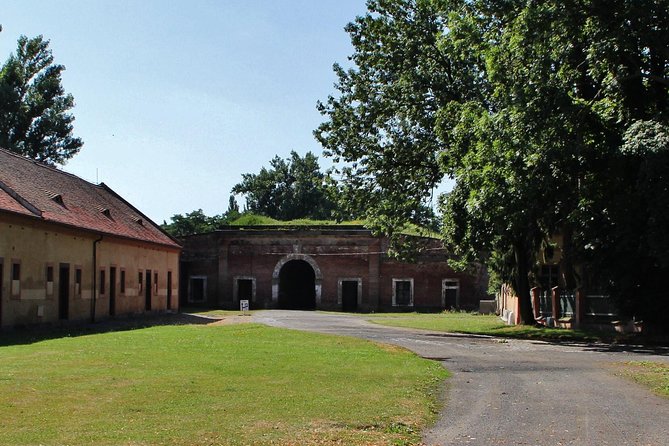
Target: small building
{"type": "Point", "coordinates": [73, 250]}
{"type": "Point", "coordinates": [320, 267]}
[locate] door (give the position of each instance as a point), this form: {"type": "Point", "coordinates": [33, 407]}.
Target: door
{"type": "Point", "coordinates": [1, 283]}
{"type": "Point", "coordinates": [349, 295]}
{"type": "Point", "coordinates": [64, 291]}
{"type": "Point", "coordinates": [112, 291]}
{"type": "Point", "coordinates": [147, 290]}
{"type": "Point", "coordinates": [169, 290]}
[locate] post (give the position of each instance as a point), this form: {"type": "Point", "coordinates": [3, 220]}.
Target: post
{"type": "Point", "coordinates": [580, 306]}
{"type": "Point", "coordinates": [535, 302]}
{"type": "Point", "coordinates": [555, 304]}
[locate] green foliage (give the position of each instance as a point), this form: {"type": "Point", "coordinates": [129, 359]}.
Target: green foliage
{"type": "Point", "coordinates": [34, 109]}
{"type": "Point", "coordinates": [197, 222]}
{"type": "Point", "coordinates": [235, 385]}
{"type": "Point", "coordinates": [532, 108]}
{"type": "Point", "coordinates": [291, 188]}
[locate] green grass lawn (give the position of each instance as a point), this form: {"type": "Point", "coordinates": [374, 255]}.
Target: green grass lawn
{"type": "Point", "coordinates": [457, 322]}
{"type": "Point", "coordinates": [208, 385]}
{"type": "Point", "coordinates": [654, 375]}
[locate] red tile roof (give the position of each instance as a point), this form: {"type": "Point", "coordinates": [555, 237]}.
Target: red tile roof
{"type": "Point", "coordinates": [31, 188]}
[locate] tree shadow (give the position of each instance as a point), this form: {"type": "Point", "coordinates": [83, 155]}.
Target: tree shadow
{"type": "Point", "coordinates": [38, 333]}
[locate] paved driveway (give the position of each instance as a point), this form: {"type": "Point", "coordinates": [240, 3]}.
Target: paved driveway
{"type": "Point", "coordinates": [519, 392]}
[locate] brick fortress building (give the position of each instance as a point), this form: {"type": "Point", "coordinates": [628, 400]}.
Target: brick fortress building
{"type": "Point", "coordinates": [320, 267]}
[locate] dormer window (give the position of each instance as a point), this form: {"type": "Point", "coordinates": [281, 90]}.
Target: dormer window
{"type": "Point", "coordinates": [139, 221]}
{"type": "Point", "coordinates": [57, 198]}
{"type": "Point", "coordinates": [105, 211]}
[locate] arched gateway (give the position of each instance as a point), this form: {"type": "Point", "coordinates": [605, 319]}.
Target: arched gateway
{"type": "Point", "coordinates": [296, 283]}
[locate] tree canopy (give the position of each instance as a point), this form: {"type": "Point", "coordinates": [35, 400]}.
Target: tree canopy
{"type": "Point", "coordinates": [197, 222]}
{"type": "Point", "coordinates": [533, 108]}
{"type": "Point", "coordinates": [34, 108]}
{"type": "Point", "coordinates": [291, 188]}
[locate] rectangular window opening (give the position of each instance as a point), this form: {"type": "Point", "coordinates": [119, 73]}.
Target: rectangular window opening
{"type": "Point", "coordinates": [102, 282]}
{"type": "Point", "coordinates": [197, 289]}
{"type": "Point", "coordinates": [122, 284]}
{"type": "Point", "coordinates": [77, 281]}
{"type": "Point", "coordinates": [403, 292]}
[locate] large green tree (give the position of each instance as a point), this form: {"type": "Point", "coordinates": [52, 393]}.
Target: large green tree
{"type": "Point", "coordinates": [35, 118]}
{"type": "Point", "coordinates": [524, 104]}
{"type": "Point", "coordinates": [291, 188]}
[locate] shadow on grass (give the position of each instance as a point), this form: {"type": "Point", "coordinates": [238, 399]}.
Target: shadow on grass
{"type": "Point", "coordinates": [38, 333]}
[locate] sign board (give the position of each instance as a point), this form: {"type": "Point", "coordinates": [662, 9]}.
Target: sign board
{"type": "Point", "coordinates": [244, 305]}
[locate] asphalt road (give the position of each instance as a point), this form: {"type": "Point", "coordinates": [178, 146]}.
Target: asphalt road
{"type": "Point", "coordinates": [513, 392]}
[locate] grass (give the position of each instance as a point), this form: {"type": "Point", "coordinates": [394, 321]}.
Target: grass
{"type": "Point", "coordinates": [472, 323]}
{"type": "Point", "coordinates": [261, 220]}
{"type": "Point", "coordinates": [208, 385]}
{"type": "Point", "coordinates": [653, 375]}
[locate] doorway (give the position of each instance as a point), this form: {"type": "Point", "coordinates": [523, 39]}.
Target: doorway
{"type": "Point", "coordinates": [112, 290]}
{"type": "Point", "coordinates": [147, 290]}
{"type": "Point", "coordinates": [64, 291]}
{"type": "Point", "coordinates": [349, 295]}
{"type": "Point", "coordinates": [169, 290]}
{"type": "Point", "coordinates": [297, 286]}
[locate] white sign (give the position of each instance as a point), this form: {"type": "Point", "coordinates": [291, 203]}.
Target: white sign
{"type": "Point", "coordinates": [244, 305]}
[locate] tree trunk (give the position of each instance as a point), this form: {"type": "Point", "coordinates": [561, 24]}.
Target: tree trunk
{"type": "Point", "coordinates": [523, 284]}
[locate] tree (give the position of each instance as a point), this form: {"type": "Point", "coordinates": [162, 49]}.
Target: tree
{"type": "Point", "coordinates": [524, 104]}
{"type": "Point", "coordinates": [196, 222]}
{"type": "Point", "coordinates": [34, 108]}
{"type": "Point", "coordinates": [289, 189]}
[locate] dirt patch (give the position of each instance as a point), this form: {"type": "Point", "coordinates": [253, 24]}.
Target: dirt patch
{"type": "Point", "coordinates": [233, 319]}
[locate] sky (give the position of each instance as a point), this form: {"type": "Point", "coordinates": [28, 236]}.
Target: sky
{"type": "Point", "coordinates": [175, 100]}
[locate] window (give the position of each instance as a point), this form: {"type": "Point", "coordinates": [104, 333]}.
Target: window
{"type": "Point", "coordinates": [49, 280]}
{"type": "Point", "coordinates": [197, 289]}
{"type": "Point", "coordinates": [77, 281]}
{"type": "Point", "coordinates": [155, 283]}
{"type": "Point", "coordinates": [450, 293]}
{"type": "Point", "coordinates": [16, 279]}
{"type": "Point", "coordinates": [140, 278]}
{"type": "Point", "coordinates": [403, 292]}
{"type": "Point", "coordinates": [102, 281]}
{"type": "Point", "coordinates": [122, 285]}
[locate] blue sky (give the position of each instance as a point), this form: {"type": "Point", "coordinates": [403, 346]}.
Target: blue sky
{"type": "Point", "coordinates": [176, 99]}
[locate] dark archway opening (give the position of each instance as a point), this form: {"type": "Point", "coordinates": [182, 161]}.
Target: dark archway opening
{"type": "Point", "coordinates": [297, 286]}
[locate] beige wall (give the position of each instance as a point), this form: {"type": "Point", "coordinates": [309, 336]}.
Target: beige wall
{"type": "Point", "coordinates": [36, 246]}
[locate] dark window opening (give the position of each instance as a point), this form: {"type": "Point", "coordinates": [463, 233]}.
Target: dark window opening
{"type": "Point", "coordinates": [403, 293]}
{"type": "Point", "coordinates": [102, 282]}
{"type": "Point", "coordinates": [49, 273]}
{"type": "Point", "coordinates": [245, 289]}
{"type": "Point", "coordinates": [122, 284]}
{"type": "Point", "coordinates": [197, 289]}
{"type": "Point", "coordinates": [16, 271]}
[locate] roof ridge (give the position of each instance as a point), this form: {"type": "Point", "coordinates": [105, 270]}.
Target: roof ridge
{"type": "Point", "coordinates": [46, 166]}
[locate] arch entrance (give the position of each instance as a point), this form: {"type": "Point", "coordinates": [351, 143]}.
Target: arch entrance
{"type": "Point", "coordinates": [296, 283]}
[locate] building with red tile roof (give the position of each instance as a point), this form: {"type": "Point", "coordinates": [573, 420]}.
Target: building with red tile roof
{"type": "Point", "coordinates": [71, 250]}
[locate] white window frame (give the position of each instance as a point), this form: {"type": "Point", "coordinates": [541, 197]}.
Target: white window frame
{"type": "Point", "coordinates": [349, 279]}
{"type": "Point", "coordinates": [444, 287]}
{"type": "Point", "coordinates": [411, 300]}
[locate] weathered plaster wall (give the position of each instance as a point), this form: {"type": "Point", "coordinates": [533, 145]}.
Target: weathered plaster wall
{"type": "Point", "coordinates": [36, 245]}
